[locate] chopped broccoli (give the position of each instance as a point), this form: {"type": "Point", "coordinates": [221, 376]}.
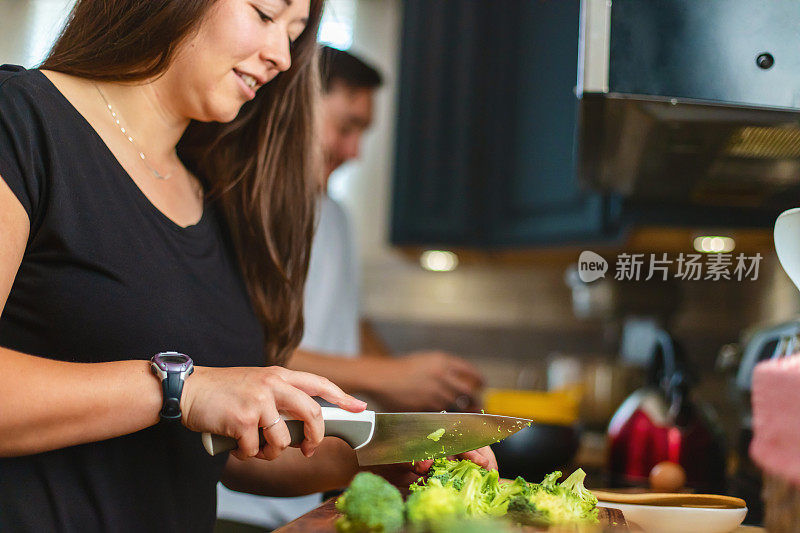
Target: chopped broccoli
{"type": "Point", "coordinates": [550, 480]}
{"type": "Point", "coordinates": [479, 489]}
{"type": "Point", "coordinates": [436, 435]}
{"type": "Point", "coordinates": [475, 493]}
{"type": "Point", "coordinates": [508, 492]}
{"type": "Point", "coordinates": [447, 478]}
{"type": "Point", "coordinates": [434, 506]}
{"type": "Point", "coordinates": [582, 501]}
{"type": "Point", "coordinates": [452, 472]}
{"type": "Point", "coordinates": [575, 483]}
{"type": "Point", "coordinates": [568, 502]}
{"type": "Point", "coordinates": [370, 504]}
{"type": "Point", "coordinates": [483, 495]}
{"type": "Point", "coordinates": [520, 504]}
{"type": "Point", "coordinates": [457, 491]}
{"type": "Point", "coordinates": [523, 511]}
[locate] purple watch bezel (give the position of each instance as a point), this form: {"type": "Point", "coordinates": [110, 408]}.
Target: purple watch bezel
{"type": "Point", "coordinates": [169, 366]}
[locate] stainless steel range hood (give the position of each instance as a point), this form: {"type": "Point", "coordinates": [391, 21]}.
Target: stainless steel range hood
{"type": "Point", "coordinates": [693, 102]}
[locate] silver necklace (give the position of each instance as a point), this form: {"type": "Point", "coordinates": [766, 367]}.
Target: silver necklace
{"type": "Point", "coordinates": [124, 131]}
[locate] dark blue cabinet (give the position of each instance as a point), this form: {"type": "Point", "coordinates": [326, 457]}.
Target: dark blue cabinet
{"type": "Point", "coordinates": [485, 152]}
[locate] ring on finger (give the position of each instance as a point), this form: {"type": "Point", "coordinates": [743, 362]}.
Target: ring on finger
{"type": "Point", "coordinates": [273, 423]}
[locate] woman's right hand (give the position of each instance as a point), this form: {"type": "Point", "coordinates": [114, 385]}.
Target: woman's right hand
{"type": "Point", "coordinates": [238, 401]}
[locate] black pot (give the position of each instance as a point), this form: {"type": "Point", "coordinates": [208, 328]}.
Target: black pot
{"type": "Point", "coordinates": [535, 451]}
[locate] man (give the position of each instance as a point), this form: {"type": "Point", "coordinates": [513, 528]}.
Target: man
{"type": "Point", "coordinates": [336, 343]}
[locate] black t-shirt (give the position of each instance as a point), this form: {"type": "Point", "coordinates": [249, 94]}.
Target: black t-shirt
{"type": "Point", "coordinates": [106, 276]}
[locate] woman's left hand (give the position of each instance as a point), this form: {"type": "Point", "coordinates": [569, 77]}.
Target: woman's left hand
{"type": "Point", "coordinates": [404, 474]}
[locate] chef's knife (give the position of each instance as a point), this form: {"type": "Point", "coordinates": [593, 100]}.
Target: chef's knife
{"type": "Point", "coordinates": [382, 438]}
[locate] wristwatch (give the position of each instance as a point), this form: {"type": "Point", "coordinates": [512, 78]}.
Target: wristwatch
{"type": "Point", "coordinates": [172, 368]}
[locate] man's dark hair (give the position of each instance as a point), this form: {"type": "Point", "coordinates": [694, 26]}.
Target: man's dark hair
{"type": "Point", "coordinates": [344, 67]}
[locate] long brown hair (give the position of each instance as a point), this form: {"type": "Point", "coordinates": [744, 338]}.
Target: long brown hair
{"type": "Point", "coordinates": [262, 168]}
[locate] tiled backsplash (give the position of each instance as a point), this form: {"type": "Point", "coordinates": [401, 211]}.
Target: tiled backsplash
{"type": "Point", "coordinates": [526, 314]}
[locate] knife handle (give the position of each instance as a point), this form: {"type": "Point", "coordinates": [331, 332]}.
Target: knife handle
{"type": "Point", "coordinates": [355, 429]}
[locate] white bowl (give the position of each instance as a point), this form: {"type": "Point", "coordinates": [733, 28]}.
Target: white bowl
{"type": "Point", "coordinates": [662, 519]}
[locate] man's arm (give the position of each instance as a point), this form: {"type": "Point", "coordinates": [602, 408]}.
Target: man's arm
{"type": "Point", "coordinates": [371, 342]}
{"type": "Point", "coordinates": [421, 381]}
{"type": "Point", "coordinates": [353, 374]}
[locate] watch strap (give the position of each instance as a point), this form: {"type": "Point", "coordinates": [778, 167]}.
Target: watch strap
{"type": "Point", "coordinates": [172, 387]}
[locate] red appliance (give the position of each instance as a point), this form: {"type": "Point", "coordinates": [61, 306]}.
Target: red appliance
{"type": "Point", "coordinates": [660, 422]}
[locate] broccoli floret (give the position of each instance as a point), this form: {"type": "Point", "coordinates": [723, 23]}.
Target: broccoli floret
{"type": "Point", "coordinates": [583, 502]}
{"type": "Point", "coordinates": [523, 511]}
{"type": "Point", "coordinates": [474, 494]}
{"type": "Point", "coordinates": [479, 489]}
{"type": "Point", "coordinates": [575, 483]}
{"type": "Point", "coordinates": [370, 504]}
{"type": "Point", "coordinates": [454, 469]}
{"type": "Point", "coordinates": [446, 478]}
{"type": "Point", "coordinates": [552, 505]}
{"type": "Point", "coordinates": [520, 504]}
{"type": "Point", "coordinates": [451, 472]}
{"type": "Point", "coordinates": [457, 483]}
{"type": "Point", "coordinates": [518, 487]}
{"type": "Point", "coordinates": [550, 481]}
{"type": "Point", "coordinates": [568, 502]}
{"type": "Point", "coordinates": [434, 506]}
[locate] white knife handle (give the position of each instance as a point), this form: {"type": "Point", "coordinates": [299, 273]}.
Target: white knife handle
{"type": "Point", "coordinates": [355, 429]}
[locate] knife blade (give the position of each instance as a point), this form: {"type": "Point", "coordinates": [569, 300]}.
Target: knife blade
{"type": "Point", "coordinates": [403, 437]}
{"type": "Point", "coordinates": [383, 438]}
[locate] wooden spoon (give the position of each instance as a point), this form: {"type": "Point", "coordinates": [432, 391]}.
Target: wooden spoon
{"type": "Point", "coordinates": [666, 499]}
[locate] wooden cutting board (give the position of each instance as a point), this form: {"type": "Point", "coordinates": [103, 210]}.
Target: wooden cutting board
{"type": "Point", "coordinates": [323, 518]}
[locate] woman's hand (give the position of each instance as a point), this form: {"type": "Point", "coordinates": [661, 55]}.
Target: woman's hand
{"type": "Point", "coordinates": [404, 474]}
{"type": "Point", "coordinates": [239, 401]}
{"type": "Point", "coordinates": [483, 457]}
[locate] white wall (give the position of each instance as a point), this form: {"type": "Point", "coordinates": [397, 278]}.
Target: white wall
{"type": "Point", "coordinates": [364, 185]}
{"type": "Point", "coordinates": [29, 27]}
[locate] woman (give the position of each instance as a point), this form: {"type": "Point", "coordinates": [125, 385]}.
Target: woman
{"type": "Point", "coordinates": [155, 194]}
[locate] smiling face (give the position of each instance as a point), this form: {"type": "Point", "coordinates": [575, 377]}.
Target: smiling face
{"type": "Point", "coordinates": [240, 45]}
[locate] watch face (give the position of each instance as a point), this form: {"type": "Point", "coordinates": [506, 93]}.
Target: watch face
{"type": "Point", "coordinates": [173, 361]}
{"type": "Point", "coordinates": [177, 359]}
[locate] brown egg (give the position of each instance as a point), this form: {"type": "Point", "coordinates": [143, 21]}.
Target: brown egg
{"type": "Point", "coordinates": [667, 476]}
